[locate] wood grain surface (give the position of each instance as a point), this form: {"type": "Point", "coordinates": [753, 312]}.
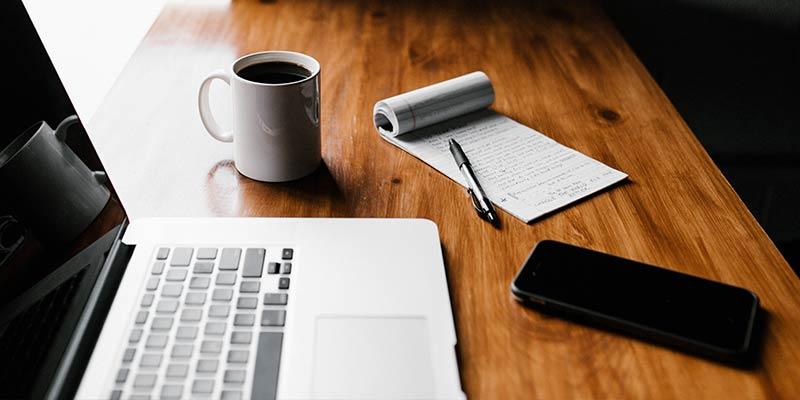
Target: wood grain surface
{"type": "Point", "coordinates": [560, 67]}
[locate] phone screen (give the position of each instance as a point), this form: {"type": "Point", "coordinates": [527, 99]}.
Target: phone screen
{"type": "Point", "coordinates": [640, 295]}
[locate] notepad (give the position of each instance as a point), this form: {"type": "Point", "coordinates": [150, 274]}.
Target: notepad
{"type": "Point", "coordinates": [523, 171]}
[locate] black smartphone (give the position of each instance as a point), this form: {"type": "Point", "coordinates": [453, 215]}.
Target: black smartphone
{"type": "Point", "coordinates": [664, 306]}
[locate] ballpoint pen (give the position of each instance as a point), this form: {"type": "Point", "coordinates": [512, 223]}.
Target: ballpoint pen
{"type": "Point", "coordinates": [483, 206]}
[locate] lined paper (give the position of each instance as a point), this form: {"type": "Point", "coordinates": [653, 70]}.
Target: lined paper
{"type": "Point", "coordinates": [522, 171]}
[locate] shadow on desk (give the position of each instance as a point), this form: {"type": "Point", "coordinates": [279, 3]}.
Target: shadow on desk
{"type": "Point", "coordinates": [749, 361]}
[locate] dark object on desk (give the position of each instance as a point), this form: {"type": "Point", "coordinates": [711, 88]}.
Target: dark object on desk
{"type": "Point", "coordinates": [667, 307]}
{"type": "Point", "coordinates": [483, 206]}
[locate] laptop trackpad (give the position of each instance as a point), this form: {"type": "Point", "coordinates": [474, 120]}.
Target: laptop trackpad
{"type": "Point", "coordinates": [372, 357]}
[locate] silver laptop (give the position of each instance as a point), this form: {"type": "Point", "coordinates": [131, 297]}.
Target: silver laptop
{"type": "Point", "coordinates": [230, 308]}
{"type": "Point", "coordinates": [278, 308]}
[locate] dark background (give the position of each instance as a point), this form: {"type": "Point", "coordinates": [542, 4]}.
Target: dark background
{"type": "Point", "coordinates": [731, 69]}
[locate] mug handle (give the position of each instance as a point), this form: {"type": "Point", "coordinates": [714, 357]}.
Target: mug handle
{"type": "Point", "coordinates": [61, 135]}
{"type": "Point", "coordinates": [206, 116]}
{"type": "Point", "coordinates": [61, 129]}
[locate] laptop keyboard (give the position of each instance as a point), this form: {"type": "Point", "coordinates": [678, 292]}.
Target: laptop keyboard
{"type": "Point", "coordinates": [208, 320]}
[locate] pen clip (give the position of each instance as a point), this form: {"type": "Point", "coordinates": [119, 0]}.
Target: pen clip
{"type": "Point", "coordinates": [476, 204]}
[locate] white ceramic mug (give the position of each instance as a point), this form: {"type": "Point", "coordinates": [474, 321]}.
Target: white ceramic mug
{"type": "Point", "coordinates": [276, 127]}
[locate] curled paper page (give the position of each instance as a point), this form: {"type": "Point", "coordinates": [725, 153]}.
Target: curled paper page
{"type": "Point", "coordinates": [433, 104]}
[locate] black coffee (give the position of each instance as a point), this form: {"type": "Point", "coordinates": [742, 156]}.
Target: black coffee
{"type": "Point", "coordinates": [274, 72]}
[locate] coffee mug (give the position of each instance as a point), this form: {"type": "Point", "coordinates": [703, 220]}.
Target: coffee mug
{"type": "Point", "coordinates": [49, 188]}
{"type": "Point", "coordinates": [276, 124]}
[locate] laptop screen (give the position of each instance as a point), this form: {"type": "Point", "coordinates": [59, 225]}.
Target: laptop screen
{"type": "Point", "coordinates": [55, 201]}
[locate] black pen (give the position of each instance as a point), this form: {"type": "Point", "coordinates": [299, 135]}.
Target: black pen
{"type": "Point", "coordinates": [480, 201]}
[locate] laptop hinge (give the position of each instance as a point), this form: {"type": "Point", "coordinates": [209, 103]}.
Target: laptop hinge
{"type": "Point", "coordinates": [79, 350]}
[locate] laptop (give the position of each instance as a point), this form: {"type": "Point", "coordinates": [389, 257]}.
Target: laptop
{"type": "Point", "coordinates": [223, 308]}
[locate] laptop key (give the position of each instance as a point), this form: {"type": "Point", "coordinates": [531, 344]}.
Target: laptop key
{"type": "Point", "coordinates": [203, 267]}
{"type": "Point", "coordinates": [275, 299]}
{"type": "Point", "coordinates": [182, 350]}
{"type": "Point", "coordinates": [152, 283]}
{"type": "Point", "coordinates": [191, 315]}
{"type": "Point", "coordinates": [155, 341]}
{"type": "Point", "coordinates": [247, 303]}
{"type": "Point", "coordinates": [287, 268]}
{"type": "Point", "coordinates": [283, 283]}
{"type": "Point", "coordinates": [199, 282]}
{"type": "Point", "coordinates": [273, 317]}
{"type": "Point", "coordinates": [176, 275]}
{"type": "Point", "coordinates": [144, 381]}
{"type": "Point", "coordinates": [195, 298]}
{"type": "Point", "coordinates": [219, 311]}
{"type": "Point", "coordinates": [249, 287]}
{"type": "Point", "coordinates": [147, 299]}
{"type": "Point", "coordinates": [171, 391]}
{"type": "Point", "coordinates": [172, 290]}
{"type": "Point", "coordinates": [158, 268]}
{"type": "Point", "coordinates": [211, 346]}
{"type": "Point", "coordinates": [287, 254]}
{"type": "Point", "coordinates": [253, 263]}
{"type": "Point", "coordinates": [230, 259]}
{"type": "Point", "coordinates": [150, 360]}
{"type": "Point", "coordinates": [273, 267]}
{"type": "Point", "coordinates": [226, 278]}
{"type": "Point", "coordinates": [244, 320]}
{"type": "Point", "coordinates": [222, 295]}
{"type": "Point", "coordinates": [215, 328]}
{"type": "Point", "coordinates": [201, 386]}
{"type": "Point", "coordinates": [186, 332]}
{"type": "Point", "coordinates": [127, 356]}
{"type": "Point", "coordinates": [141, 317]}
{"type": "Point", "coordinates": [241, 337]}
{"type": "Point", "coordinates": [116, 394]}
{"type": "Point", "coordinates": [268, 358]}
{"type": "Point", "coordinates": [206, 253]}
{"type": "Point", "coordinates": [136, 334]}
{"type": "Point", "coordinates": [177, 370]}
{"type": "Point", "coordinates": [181, 257]}
{"type": "Point", "coordinates": [161, 324]}
{"type": "Point", "coordinates": [234, 376]}
{"type": "Point", "coordinates": [162, 253]}
{"type": "Point", "coordinates": [238, 356]}
{"type": "Point", "coordinates": [207, 365]}
{"type": "Point", "coordinates": [122, 375]}
{"type": "Point", "coordinates": [231, 395]}
{"type": "Point", "coordinates": [167, 306]}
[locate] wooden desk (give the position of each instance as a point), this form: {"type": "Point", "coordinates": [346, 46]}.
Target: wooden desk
{"type": "Point", "coordinates": [561, 68]}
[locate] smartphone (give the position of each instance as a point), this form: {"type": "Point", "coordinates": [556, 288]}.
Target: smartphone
{"type": "Point", "coordinates": [668, 307]}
